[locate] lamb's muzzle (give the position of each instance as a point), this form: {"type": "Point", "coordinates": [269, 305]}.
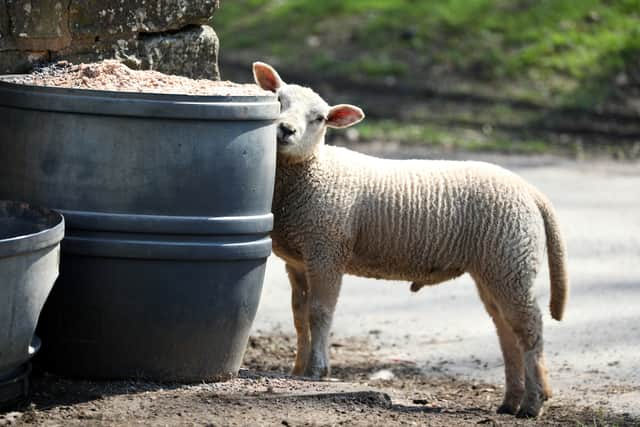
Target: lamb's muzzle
{"type": "Point", "coordinates": [285, 132]}
{"type": "Point", "coordinates": [337, 211]}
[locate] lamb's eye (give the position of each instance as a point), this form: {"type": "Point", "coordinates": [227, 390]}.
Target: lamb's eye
{"type": "Point", "coordinates": [318, 119]}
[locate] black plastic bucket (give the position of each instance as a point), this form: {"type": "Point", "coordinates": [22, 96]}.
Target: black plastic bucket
{"type": "Point", "coordinates": [167, 200]}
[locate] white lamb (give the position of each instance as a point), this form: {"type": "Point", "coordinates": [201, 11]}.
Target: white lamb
{"type": "Point", "coordinates": [338, 211]}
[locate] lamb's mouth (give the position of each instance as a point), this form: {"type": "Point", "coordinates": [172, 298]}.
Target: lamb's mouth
{"type": "Point", "coordinates": [283, 142]}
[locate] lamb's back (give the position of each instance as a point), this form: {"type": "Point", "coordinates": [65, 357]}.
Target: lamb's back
{"type": "Point", "coordinates": [413, 217]}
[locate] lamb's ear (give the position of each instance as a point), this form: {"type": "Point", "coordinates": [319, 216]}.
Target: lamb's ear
{"type": "Point", "coordinates": [344, 115]}
{"type": "Point", "coordinates": [266, 77]}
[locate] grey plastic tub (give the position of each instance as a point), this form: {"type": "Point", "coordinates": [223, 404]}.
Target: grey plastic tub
{"type": "Point", "coordinates": [167, 200]}
{"type": "Point", "coordinates": [29, 257]}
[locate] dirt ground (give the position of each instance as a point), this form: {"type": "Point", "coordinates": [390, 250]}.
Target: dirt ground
{"type": "Point", "coordinates": [366, 391]}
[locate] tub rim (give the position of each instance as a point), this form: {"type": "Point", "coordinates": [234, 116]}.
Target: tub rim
{"type": "Point", "coordinates": [31, 242]}
{"type": "Point", "coordinates": [137, 104]}
{"type": "Point", "coordinates": [167, 224]}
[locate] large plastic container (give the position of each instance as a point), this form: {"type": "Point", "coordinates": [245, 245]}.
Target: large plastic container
{"type": "Point", "coordinates": [29, 256]}
{"type": "Point", "coordinates": [167, 200]}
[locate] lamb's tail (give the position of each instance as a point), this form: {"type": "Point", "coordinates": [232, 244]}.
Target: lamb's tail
{"type": "Point", "coordinates": [556, 254]}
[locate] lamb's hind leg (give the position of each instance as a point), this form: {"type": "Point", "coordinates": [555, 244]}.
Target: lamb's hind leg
{"type": "Point", "coordinates": [522, 314]}
{"type": "Point", "coordinates": [300, 308]}
{"type": "Point", "coordinates": [511, 353]}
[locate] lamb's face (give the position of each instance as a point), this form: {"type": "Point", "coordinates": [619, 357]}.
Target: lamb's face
{"type": "Point", "coordinates": [304, 115]}
{"type": "Point", "coordinates": [302, 121]}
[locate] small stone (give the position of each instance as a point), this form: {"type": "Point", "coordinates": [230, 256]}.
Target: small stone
{"type": "Point", "coordinates": [382, 375]}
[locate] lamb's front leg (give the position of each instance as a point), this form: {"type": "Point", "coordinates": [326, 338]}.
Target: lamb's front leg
{"type": "Point", "coordinates": [300, 307]}
{"type": "Point", "coordinates": [324, 288]}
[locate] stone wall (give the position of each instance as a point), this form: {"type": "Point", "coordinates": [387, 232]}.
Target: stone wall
{"type": "Point", "coordinates": [171, 36]}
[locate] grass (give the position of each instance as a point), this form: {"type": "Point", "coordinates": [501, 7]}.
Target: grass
{"type": "Point", "coordinates": [442, 138]}
{"type": "Point", "coordinates": [573, 47]}
{"type": "Point", "coordinates": [445, 138]}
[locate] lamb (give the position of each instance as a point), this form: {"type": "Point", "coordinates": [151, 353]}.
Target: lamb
{"type": "Point", "coordinates": [424, 221]}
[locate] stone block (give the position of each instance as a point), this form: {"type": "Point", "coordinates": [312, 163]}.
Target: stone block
{"type": "Point", "coordinates": [108, 18]}
{"type": "Point", "coordinates": [192, 52]}
{"type": "Point", "coordinates": [39, 24]}
{"type": "Point", "coordinates": [166, 35]}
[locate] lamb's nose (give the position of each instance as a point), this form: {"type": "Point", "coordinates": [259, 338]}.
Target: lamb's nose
{"type": "Point", "coordinates": [286, 129]}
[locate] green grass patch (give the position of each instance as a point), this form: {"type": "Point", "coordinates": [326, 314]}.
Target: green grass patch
{"type": "Point", "coordinates": [482, 38]}
{"type": "Point", "coordinates": [450, 139]}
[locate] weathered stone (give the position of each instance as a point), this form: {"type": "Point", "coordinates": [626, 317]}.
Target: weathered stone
{"type": "Point", "coordinates": [112, 17]}
{"type": "Point", "coordinates": [5, 28]}
{"type": "Point", "coordinates": [192, 52]}
{"type": "Point", "coordinates": [166, 35]}
{"type": "Point", "coordinates": [16, 62]}
{"type": "Point", "coordinates": [39, 25]}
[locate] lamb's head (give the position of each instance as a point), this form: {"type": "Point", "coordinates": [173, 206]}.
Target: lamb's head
{"type": "Point", "coordinates": [304, 115]}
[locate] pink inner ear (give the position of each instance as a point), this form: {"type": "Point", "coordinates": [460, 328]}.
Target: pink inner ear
{"type": "Point", "coordinates": [268, 82]}
{"type": "Point", "coordinates": [266, 78]}
{"type": "Point", "coordinates": [343, 116]}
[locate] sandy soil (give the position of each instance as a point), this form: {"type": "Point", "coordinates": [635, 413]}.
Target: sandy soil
{"type": "Point", "coordinates": [264, 395]}
{"type": "Point", "coordinates": [112, 75]}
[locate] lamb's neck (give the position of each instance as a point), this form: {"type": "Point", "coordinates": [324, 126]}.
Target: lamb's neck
{"type": "Point", "coordinates": [290, 178]}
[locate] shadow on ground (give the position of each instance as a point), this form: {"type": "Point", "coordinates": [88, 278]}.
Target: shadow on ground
{"type": "Point", "coordinates": [264, 394]}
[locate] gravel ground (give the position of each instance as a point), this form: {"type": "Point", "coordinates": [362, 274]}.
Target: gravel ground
{"type": "Point", "coordinates": [366, 391]}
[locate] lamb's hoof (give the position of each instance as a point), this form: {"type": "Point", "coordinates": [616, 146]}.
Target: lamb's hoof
{"type": "Point", "coordinates": [316, 372]}
{"type": "Point", "coordinates": [531, 406]}
{"type": "Point", "coordinates": [529, 412]}
{"type": "Point", "coordinates": [506, 408]}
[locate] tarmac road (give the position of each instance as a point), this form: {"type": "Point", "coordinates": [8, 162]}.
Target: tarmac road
{"type": "Point", "coordinates": [593, 355]}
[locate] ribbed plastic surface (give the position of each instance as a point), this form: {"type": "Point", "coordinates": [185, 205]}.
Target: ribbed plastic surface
{"type": "Point", "coordinates": [168, 207]}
